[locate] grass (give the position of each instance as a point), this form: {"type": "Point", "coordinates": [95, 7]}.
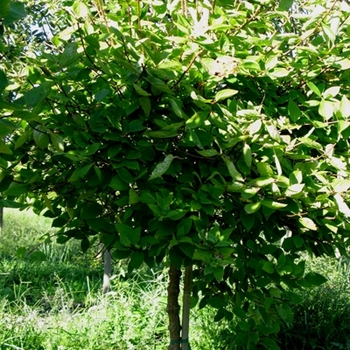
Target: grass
{"type": "Point", "coordinates": [322, 319]}
{"type": "Point", "coordinates": [56, 303]}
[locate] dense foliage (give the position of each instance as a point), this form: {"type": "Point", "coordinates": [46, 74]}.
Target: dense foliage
{"type": "Point", "coordinates": [193, 132]}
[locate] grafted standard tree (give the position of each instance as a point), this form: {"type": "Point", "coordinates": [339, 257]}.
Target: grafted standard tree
{"type": "Point", "coordinates": [193, 134]}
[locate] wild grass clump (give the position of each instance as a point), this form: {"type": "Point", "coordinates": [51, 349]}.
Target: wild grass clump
{"type": "Point", "coordinates": [322, 319]}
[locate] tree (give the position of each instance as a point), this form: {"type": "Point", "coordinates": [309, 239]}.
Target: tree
{"type": "Point", "coordinates": [191, 133]}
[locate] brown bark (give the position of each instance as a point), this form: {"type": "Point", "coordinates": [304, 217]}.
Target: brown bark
{"type": "Point", "coordinates": [173, 308]}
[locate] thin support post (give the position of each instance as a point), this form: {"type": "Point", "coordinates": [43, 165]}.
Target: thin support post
{"type": "Point", "coordinates": [186, 307]}
{"type": "Point", "coordinates": [107, 272]}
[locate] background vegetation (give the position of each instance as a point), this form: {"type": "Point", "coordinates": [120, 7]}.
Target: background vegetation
{"type": "Point", "coordinates": [57, 303]}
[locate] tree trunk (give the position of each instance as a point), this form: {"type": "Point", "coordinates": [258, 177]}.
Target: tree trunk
{"type": "Point", "coordinates": [186, 308]}
{"type": "Point", "coordinates": [107, 272]}
{"type": "Point", "coordinates": [173, 308]}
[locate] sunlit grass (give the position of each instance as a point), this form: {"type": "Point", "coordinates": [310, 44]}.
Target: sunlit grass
{"type": "Point", "coordinates": [57, 304]}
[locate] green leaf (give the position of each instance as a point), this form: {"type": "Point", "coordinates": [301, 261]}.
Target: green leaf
{"type": "Point", "coordinates": [177, 109]}
{"type": "Point", "coordinates": [80, 9]}
{"type": "Point", "coordinates": [128, 235]}
{"type": "Point", "coordinates": [294, 190]}
{"type": "Point", "coordinates": [342, 206]}
{"type": "Point", "coordinates": [264, 169]}
{"type": "Point", "coordinates": [41, 136]}
{"type": "Point", "coordinates": [217, 302]}
{"type": "Point", "coordinates": [184, 227]}
{"type": "Point", "coordinates": [235, 187]}
{"type": "Point", "coordinates": [16, 12]}
{"type": "Point", "coordinates": [296, 177]}
{"type": "Point", "coordinates": [269, 267]}
{"type": "Point", "coordinates": [341, 185]}
{"type": "Point", "coordinates": [141, 91]}
{"type": "Point", "coordinates": [269, 344]}
{"type": "Point", "coordinates": [136, 259]}
{"type": "Point", "coordinates": [161, 134]}
{"type": "Point", "coordinates": [315, 278]}
{"type": "Point", "coordinates": [251, 65]}
{"type": "Point", "coordinates": [247, 154]}
{"type": "Point", "coordinates": [91, 210]}
{"type": "Point", "coordinates": [57, 142]}
{"type": "Point", "coordinates": [273, 132]}
{"type": "Point", "coordinates": [285, 312]}
{"type": "Point", "coordinates": [314, 88]}
{"type": "Point", "coordinates": [100, 95]}
{"type": "Point", "coordinates": [38, 94]}
{"type": "Point", "coordinates": [147, 198]}
{"type": "Point", "coordinates": [328, 32]}
{"type": "Point", "coordinates": [6, 127]}
{"type": "Point", "coordinates": [85, 244]}
{"type": "Point", "coordinates": [159, 85]}
{"type": "Point", "coordinates": [176, 214]}
{"type": "Point", "coordinates": [125, 175]}
{"type": "Point", "coordinates": [133, 196]}
{"type": "Point", "coordinates": [271, 61]}
{"type": "Point", "coordinates": [11, 204]}
{"type": "Point", "coordinates": [255, 127]}
{"type": "Point", "coordinates": [308, 223]}
{"type": "Point", "coordinates": [285, 5]}
{"type": "Point", "coordinates": [236, 176]}
{"type": "Point", "coordinates": [203, 255]}
{"type": "Point", "coordinates": [118, 184]}
{"type": "Point", "coordinates": [4, 8]}
{"type": "Point", "coordinates": [224, 94]}
{"type": "Point", "coordinates": [162, 167]}
{"type": "Point", "coordinates": [92, 149]}
{"type": "Point", "coordinates": [37, 256]}
{"type": "Point", "coordinates": [278, 73]}
{"type": "Point", "coordinates": [3, 78]}
{"type": "Point", "coordinates": [98, 172]}
{"type": "Point", "coordinates": [208, 153]}
{"type": "Point", "coordinates": [80, 173]}
{"type": "Point", "coordinates": [269, 203]}
{"type": "Point", "coordinates": [146, 105]}
{"type": "Point", "coordinates": [261, 181]}
{"type": "Point", "coordinates": [69, 55]}
{"type": "Point", "coordinates": [197, 119]}
{"type": "Point", "coordinates": [326, 109]}
{"type": "Point", "coordinates": [293, 110]}
{"type": "Point", "coordinates": [331, 92]}
{"type": "Point", "coordinates": [252, 207]}
{"type": "Point", "coordinates": [345, 107]}
{"type": "Point", "coordinates": [239, 312]}
{"type": "Point", "coordinates": [113, 151]}
{"type": "Point", "coordinates": [247, 220]}
{"type": "Point", "coordinates": [16, 189]}
{"type": "Point", "coordinates": [219, 273]}
{"type": "Point", "coordinates": [298, 241]}
{"type": "Point", "coordinates": [4, 148]}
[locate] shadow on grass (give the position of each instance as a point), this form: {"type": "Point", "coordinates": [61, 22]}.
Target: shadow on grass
{"type": "Point", "coordinates": [43, 282]}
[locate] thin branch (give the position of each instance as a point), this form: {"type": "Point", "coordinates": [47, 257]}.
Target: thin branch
{"type": "Point", "coordinates": [188, 68]}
